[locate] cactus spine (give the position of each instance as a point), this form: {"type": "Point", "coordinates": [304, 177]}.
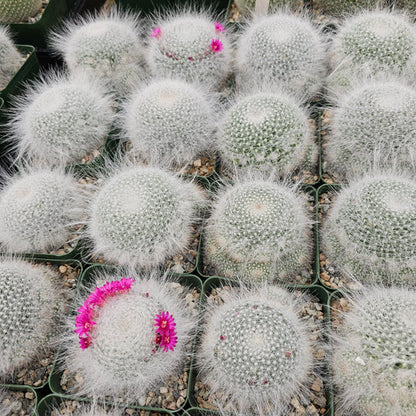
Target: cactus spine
{"type": "Point", "coordinates": [13, 11]}
{"type": "Point", "coordinates": [10, 58]}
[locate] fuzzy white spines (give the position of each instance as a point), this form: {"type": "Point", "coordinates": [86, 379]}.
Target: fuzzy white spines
{"type": "Point", "coordinates": [143, 215]}
{"type": "Point", "coordinates": [374, 357]}
{"type": "Point", "coordinates": [10, 58]}
{"type": "Point", "coordinates": [30, 307]}
{"type": "Point", "coordinates": [282, 50]}
{"type": "Point", "coordinates": [13, 11]}
{"type": "Point", "coordinates": [104, 47]}
{"type": "Point", "coordinates": [373, 124]}
{"type": "Point", "coordinates": [248, 6]}
{"type": "Point", "coordinates": [369, 231]}
{"type": "Point", "coordinates": [169, 122]}
{"type": "Point", "coordinates": [265, 131]}
{"type": "Point", "coordinates": [123, 359]}
{"type": "Point", "coordinates": [37, 211]}
{"type": "Point", "coordinates": [259, 231]}
{"type": "Point", "coordinates": [369, 43]}
{"type": "Point", "coordinates": [184, 46]}
{"type": "Point", "coordinates": [61, 120]}
{"type": "Point", "coordinates": [255, 351]}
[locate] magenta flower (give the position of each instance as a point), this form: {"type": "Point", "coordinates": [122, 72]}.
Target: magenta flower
{"type": "Point", "coordinates": [164, 322]}
{"type": "Point", "coordinates": [156, 33]}
{"type": "Point", "coordinates": [165, 331]}
{"type": "Point", "coordinates": [169, 342]}
{"type": "Point", "coordinates": [219, 27]}
{"type": "Point", "coordinates": [216, 45]}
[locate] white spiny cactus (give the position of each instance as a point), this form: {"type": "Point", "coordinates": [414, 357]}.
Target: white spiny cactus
{"type": "Point", "coordinates": [61, 120]}
{"type": "Point", "coordinates": [14, 11]}
{"type": "Point", "coordinates": [374, 356]}
{"type": "Point", "coordinates": [248, 6]}
{"type": "Point", "coordinates": [10, 58]}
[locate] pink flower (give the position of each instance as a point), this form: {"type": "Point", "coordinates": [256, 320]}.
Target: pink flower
{"type": "Point", "coordinates": [165, 332]}
{"type": "Point", "coordinates": [85, 343]}
{"type": "Point", "coordinates": [216, 45]}
{"type": "Point", "coordinates": [156, 33]}
{"type": "Point", "coordinates": [169, 341]}
{"type": "Point", "coordinates": [164, 322]}
{"type": "Point", "coordinates": [219, 27]}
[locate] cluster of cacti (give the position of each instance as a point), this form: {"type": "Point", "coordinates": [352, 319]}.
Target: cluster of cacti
{"type": "Point", "coordinates": [142, 215]}
{"type": "Point", "coordinates": [13, 11]}
{"type": "Point", "coordinates": [38, 210]}
{"type": "Point", "coordinates": [169, 122]}
{"type": "Point", "coordinates": [136, 329]}
{"type": "Point", "coordinates": [371, 43]}
{"type": "Point", "coordinates": [61, 120]}
{"type": "Point", "coordinates": [374, 358]}
{"type": "Point", "coordinates": [30, 309]}
{"type": "Point", "coordinates": [369, 233]}
{"type": "Point", "coordinates": [105, 47]}
{"type": "Point", "coordinates": [190, 46]}
{"type": "Point", "coordinates": [249, 6]}
{"type": "Point", "coordinates": [10, 58]}
{"type": "Point", "coordinates": [283, 50]}
{"type": "Point", "coordinates": [255, 351]}
{"type": "Point", "coordinates": [266, 131]}
{"type": "Point", "coordinates": [371, 126]}
{"type": "Point", "coordinates": [259, 230]}
{"type": "Point", "coordinates": [342, 7]}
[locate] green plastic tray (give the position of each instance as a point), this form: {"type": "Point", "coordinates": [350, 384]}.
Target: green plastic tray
{"type": "Point", "coordinates": [16, 387]}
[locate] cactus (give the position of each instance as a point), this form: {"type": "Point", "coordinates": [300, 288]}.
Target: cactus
{"type": "Point", "coordinates": [30, 308]}
{"type": "Point", "coordinates": [38, 211]}
{"type": "Point", "coordinates": [341, 7]}
{"type": "Point", "coordinates": [374, 358]}
{"type": "Point", "coordinates": [190, 46]}
{"type": "Point", "coordinates": [142, 215]}
{"type": "Point", "coordinates": [283, 50]}
{"type": "Point", "coordinates": [267, 131]}
{"type": "Point", "coordinates": [169, 121]}
{"type": "Point", "coordinates": [121, 348]}
{"type": "Point", "coordinates": [13, 11]}
{"type": "Point", "coordinates": [255, 352]}
{"type": "Point", "coordinates": [373, 124]}
{"type": "Point", "coordinates": [259, 230]}
{"type": "Point", "coordinates": [104, 47]}
{"type": "Point", "coordinates": [61, 120]}
{"type": "Point", "coordinates": [405, 4]}
{"type": "Point", "coordinates": [248, 6]}
{"type": "Point", "coordinates": [10, 58]}
{"type": "Point", "coordinates": [371, 43]}
{"type": "Point", "coordinates": [369, 232]}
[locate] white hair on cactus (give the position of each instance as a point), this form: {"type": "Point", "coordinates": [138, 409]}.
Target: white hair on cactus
{"type": "Point", "coordinates": [15, 11]}
{"type": "Point", "coordinates": [10, 58]}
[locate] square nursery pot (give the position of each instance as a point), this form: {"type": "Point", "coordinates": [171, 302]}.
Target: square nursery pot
{"type": "Point", "coordinates": [215, 282]}
{"type": "Point", "coordinates": [308, 189]}
{"type": "Point", "coordinates": [189, 280]}
{"type": "Point", "coordinates": [28, 401]}
{"type": "Point", "coordinates": [36, 33]}
{"type": "Point", "coordinates": [52, 401]}
{"type": "Point", "coordinates": [75, 264]}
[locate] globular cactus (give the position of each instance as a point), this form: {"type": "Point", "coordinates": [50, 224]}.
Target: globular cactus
{"type": "Point", "coordinates": [370, 43]}
{"type": "Point", "coordinates": [341, 7]}
{"type": "Point", "coordinates": [105, 47]}
{"type": "Point", "coordinates": [406, 5]}
{"type": "Point", "coordinates": [374, 356]}
{"type": "Point", "coordinates": [169, 122]}
{"type": "Point", "coordinates": [190, 46]}
{"type": "Point", "coordinates": [38, 210]}
{"type": "Point", "coordinates": [30, 308]}
{"type": "Point", "coordinates": [259, 231]}
{"type": "Point", "coordinates": [369, 232]}
{"type": "Point", "coordinates": [130, 336]}
{"type": "Point", "coordinates": [266, 131]}
{"type": "Point", "coordinates": [60, 120]}
{"type": "Point", "coordinates": [13, 11]}
{"type": "Point", "coordinates": [283, 50]}
{"type": "Point", "coordinates": [10, 58]}
{"type": "Point", "coordinates": [248, 6]}
{"type": "Point", "coordinates": [143, 215]}
{"type": "Point", "coordinates": [373, 125]}
{"type": "Point", "coordinates": [255, 352]}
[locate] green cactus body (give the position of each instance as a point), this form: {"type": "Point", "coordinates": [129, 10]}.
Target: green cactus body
{"type": "Point", "coordinates": [269, 132]}
{"type": "Point", "coordinates": [14, 11]}
{"type": "Point", "coordinates": [369, 232]}
{"type": "Point", "coordinates": [371, 43]}
{"type": "Point", "coordinates": [259, 231]}
{"type": "Point", "coordinates": [406, 5]}
{"type": "Point", "coordinates": [341, 7]}
{"type": "Point", "coordinates": [282, 50]}
{"type": "Point", "coordinates": [10, 58]}
{"type": "Point", "coordinates": [143, 215]}
{"type": "Point", "coordinates": [248, 6]}
{"type": "Point", "coordinates": [255, 351]}
{"type": "Point", "coordinates": [30, 306]}
{"type": "Point", "coordinates": [192, 48]}
{"type": "Point", "coordinates": [374, 360]}
{"type": "Point", "coordinates": [375, 123]}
